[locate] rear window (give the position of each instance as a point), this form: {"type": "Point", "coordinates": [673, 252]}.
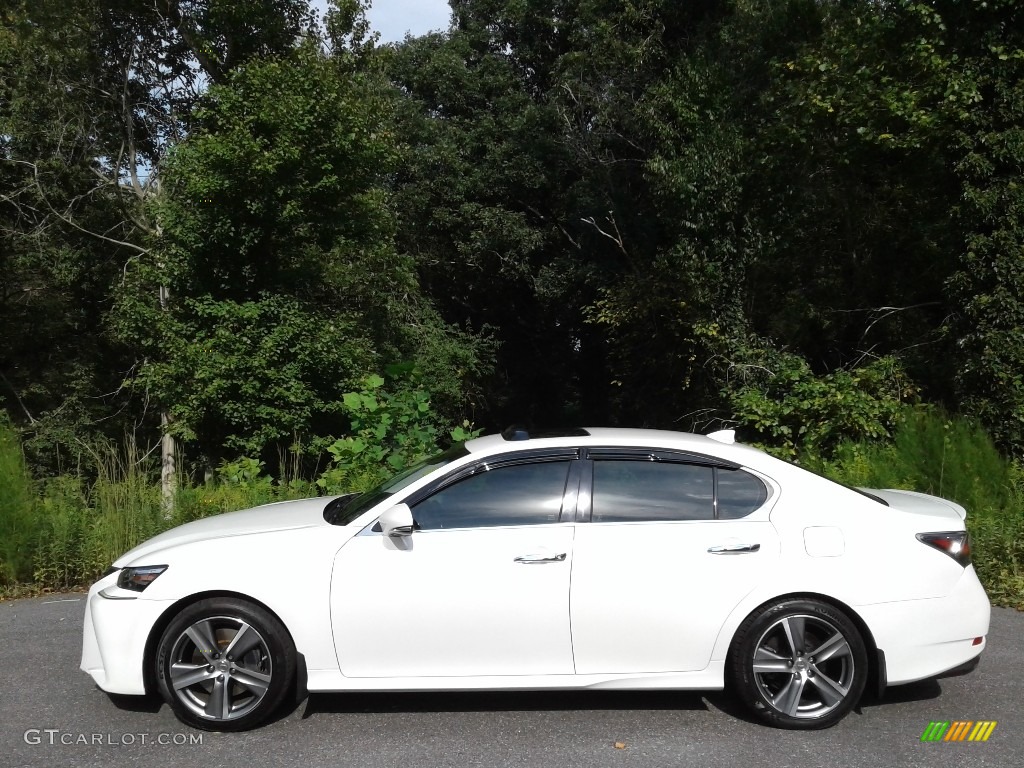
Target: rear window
{"type": "Point", "coordinates": [626, 491]}
{"type": "Point", "coordinates": [739, 494]}
{"type": "Point", "coordinates": [630, 490]}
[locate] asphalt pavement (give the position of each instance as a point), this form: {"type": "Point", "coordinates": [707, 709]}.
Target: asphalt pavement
{"type": "Point", "coordinates": [51, 714]}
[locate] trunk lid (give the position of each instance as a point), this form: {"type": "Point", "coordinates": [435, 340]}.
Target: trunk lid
{"type": "Point", "coordinates": [950, 513]}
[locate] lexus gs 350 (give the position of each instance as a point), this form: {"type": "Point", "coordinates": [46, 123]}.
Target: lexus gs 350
{"type": "Point", "coordinates": [587, 559]}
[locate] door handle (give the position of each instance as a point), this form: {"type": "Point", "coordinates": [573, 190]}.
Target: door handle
{"type": "Point", "coordinates": [734, 549]}
{"type": "Point", "coordinates": [539, 559]}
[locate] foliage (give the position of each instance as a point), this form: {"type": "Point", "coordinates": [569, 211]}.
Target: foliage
{"type": "Point", "coordinates": [847, 128]}
{"type": "Point", "coordinates": [66, 552]}
{"type": "Point", "coordinates": [237, 484]}
{"type": "Point", "coordinates": [892, 146]}
{"type": "Point", "coordinates": [275, 237]}
{"type": "Point", "coordinates": [578, 190]}
{"type": "Point", "coordinates": [84, 527]}
{"type": "Point", "coordinates": [562, 212]}
{"type": "Point", "coordinates": [793, 412]}
{"type": "Point", "coordinates": [988, 284]}
{"type": "Point", "coordinates": [242, 375]}
{"type": "Point", "coordinates": [18, 524]}
{"type": "Point", "coordinates": [933, 453]}
{"type": "Point", "coordinates": [393, 426]}
{"type": "Point", "coordinates": [78, 529]}
{"type": "Point", "coordinates": [93, 96]}
{"type": "Point", "coordinates": [54, 123]}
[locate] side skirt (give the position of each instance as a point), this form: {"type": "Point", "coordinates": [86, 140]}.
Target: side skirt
{"type": "Point", "coordinates": [712, 678]}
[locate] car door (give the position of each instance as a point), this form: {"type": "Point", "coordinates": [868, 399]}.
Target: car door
{"type": "Point", "coordinates": [480, 588]}
{"type": "Point", "coordinates": [670, 546]}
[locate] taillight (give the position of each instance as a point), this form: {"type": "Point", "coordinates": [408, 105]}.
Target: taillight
{"type": "Point", "coordinates": [956, 544]}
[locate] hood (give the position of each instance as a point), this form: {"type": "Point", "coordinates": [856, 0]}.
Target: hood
{"type": "Point", "coordinates": [281, 516]}
{"type": "Point", "coordinates": [922, 504]}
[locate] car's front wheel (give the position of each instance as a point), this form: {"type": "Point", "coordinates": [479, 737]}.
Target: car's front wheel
{"type": "Point", "coordinates": [225, 664]}
{"type": "Point", "coordinates": [799, 664]}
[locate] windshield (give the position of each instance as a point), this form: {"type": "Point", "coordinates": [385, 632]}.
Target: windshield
{"type": "Point", "coordinates": [345, 509]}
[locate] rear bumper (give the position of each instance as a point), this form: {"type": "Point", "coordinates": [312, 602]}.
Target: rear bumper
{"type": "Point", "coordinates": [964, 669]}
{"type": "Point", "coordinates": [924, 639]}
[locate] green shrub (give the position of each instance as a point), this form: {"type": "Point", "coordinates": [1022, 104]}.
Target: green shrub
{"type": "Point", "coordinates": [932, 453]}
{"type": "Point", "coordinates": [790, 410]}
{"type": "Point", "coordinates": [67, 531]}
{"type": "Point", "coordinates": [239, 484]}
{"type": "Point", "coordinates": [18, 520]}
{"type": "Point", "coordinates": [393, 426]}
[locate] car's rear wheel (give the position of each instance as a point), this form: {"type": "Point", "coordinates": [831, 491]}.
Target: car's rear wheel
{"type": "Point", "coordinates": [225, 664]}
{"type": "Point", "coordinates": [799, 664]}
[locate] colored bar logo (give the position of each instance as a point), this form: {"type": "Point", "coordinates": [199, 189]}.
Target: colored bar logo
{"type": "Point", "coordinates": [959, 730]}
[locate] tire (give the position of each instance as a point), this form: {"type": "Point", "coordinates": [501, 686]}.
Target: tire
{"type": "Point", "coordinates": [799, 664]}
{"type": "Point", "coordinates": [225, 664]}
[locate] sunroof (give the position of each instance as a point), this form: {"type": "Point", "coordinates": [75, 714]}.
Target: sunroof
{"type": "Point", "coordinates": [520, 433]}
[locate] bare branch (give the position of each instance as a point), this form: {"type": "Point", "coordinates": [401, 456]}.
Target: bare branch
{"type": "Point", "coordinates": [67, 219]}
{"type": "Point", "coordinates": [209, 65]}
{"type": "Point", "coordinates": [17, 397]}
{"type": "Point", "coordinates": [552, 221]}
{"type": "Point", "coordinates": [616, 238]}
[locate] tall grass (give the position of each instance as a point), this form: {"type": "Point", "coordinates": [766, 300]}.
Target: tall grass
{"type": "Point", "coordinates": [63, 532]}
{"type": "Point", "coordinates": [955, 459]}
{"type": "Point", "coordinates": [18, 522]}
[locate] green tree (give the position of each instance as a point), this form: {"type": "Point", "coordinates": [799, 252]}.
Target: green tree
{"type": "Point", "coordinates": [277, 252]}
{"type": "Point", "coordinates": [93, 95]}
{"type": "Point", "coordinates": [539, 199]}
{"type": "Point", "coordinates": [987, 287]}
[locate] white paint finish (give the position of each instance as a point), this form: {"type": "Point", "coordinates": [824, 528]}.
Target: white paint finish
{"type": "Point", "coordinates": [454, 603]}
{"type": "Point", "coordinates": [923, 504]}
{"type": "Point", "coordinates": [727, 436]}
{"type": "Point", "coordinates": [824, 541]}
{"type": "Point", "coordinates": [453, 610]}
{"type": "Point", "coordinates": [288, 571]}
{"type": "Point", "coordinates": [649, 597]}
{"type": "Point", "coordinates": [114, 639]}
{"type": "Point", "coordinates": [923, 638]}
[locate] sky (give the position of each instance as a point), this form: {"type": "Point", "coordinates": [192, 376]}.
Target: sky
{"type": "Point", "coordinates": [393, 18]}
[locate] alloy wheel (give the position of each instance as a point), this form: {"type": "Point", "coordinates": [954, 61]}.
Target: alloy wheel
{"type": "Point", "coordinates": [220, 668]}
{"type": "Point", "coordinates": [803, 666]}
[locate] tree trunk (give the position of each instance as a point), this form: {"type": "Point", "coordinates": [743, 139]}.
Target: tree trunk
{"type": "Point", "coordinates": [168, 470]}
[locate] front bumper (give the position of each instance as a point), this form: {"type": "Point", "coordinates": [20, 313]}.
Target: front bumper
{"type": "Point", "coordinates": [117, 627]}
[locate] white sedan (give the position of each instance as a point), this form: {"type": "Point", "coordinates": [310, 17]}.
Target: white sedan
{"type": "Point", "coordinates": [587, 559]}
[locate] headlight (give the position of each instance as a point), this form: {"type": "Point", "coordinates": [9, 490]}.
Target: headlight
{"type": "Point", "coordinates": [137, 579]}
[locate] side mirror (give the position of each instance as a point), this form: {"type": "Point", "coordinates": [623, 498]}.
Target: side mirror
{"type": "Point", "coordinates": [397, 521]}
